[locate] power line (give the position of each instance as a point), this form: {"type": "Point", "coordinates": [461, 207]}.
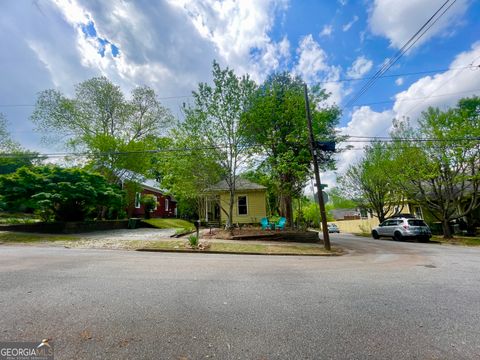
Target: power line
{"type": "Point", "coordinates": [407, 46]}
{"type": "Point", "coordinates": [412, 99]}
{"type": "Point", "coordinates": [471, 66]}
{"type": "Point", "coordinates": [398, 75]}
{"type": "Point", "coordinates": [180, 150]}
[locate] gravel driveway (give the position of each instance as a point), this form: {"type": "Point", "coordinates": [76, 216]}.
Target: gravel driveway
{"type": "Point", "coordinates": [129, 234]}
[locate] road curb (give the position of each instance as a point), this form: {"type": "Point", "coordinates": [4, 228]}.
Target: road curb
{"type": "Point", "coordinates": [232, 252]}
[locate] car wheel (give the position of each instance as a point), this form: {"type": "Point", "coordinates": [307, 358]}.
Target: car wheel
{"type": "Point", "coordinates": [398, 236]}
{"type": "Point", "coordinates": [375, 234]}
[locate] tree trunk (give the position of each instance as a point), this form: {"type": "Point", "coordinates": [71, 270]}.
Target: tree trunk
{"type": "Point", "coordinates": [446, 230]}
{"type": "Point", "coordinates": [230, 212]}
{"type": "Point", "coordinates": [288, 210]}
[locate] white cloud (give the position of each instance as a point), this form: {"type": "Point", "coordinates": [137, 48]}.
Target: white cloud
{"type": "Point", "coordinates": [347, 26]}
{"type": "Point", "coordinates": [399, 81]}
{"type": "Point", "coordinates": [360, 67]}
{"type": "Point", "coordinates": [364, 122]}
{"type": "Point", "coordinates": [399, 20]}
{"type": "Point", "coordinates": [312, 65]}
{"type": "Point", "coordinates": [168, 45]}
{"type": "Point", "coordinates": [238, 27]}
{"type": "Point", "coordinates": [326, 31]}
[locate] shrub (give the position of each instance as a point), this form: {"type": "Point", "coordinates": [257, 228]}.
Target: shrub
{"type": "Point", "coordinates": [149, 203]}
{"type": "Point", "coordinates": [193, 241]}
{"type": "Point", "coordinates": [59, 193]}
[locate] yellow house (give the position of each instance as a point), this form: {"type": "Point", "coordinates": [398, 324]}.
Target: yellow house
{"type": "Point", "coordinates": [249, 206]}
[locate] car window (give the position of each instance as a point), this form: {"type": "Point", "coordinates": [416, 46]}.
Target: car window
{"type": "Point", "coordinates": [416, 223]}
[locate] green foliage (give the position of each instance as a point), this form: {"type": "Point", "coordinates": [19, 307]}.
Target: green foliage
{"type": "Point", "coordinates": [213, 123]}
{"type": "Point", "coordinates": [338, 201]}
{"type": "Point", "coordinates": [99, 120]}
{"type": "Point", "coordinates": [193, 241]}
{"type": "Point", "coordinates": [276, 125]}
{"type": "Point", "coordinates": [188, 174]}
{"type": "Point", "coordinates": [374, 181]}
{"type": "Point", "coordinates": [442, 172]}
{"type": "Point", "coordinates": [149, 203]}
{"type": "Point", "coordinates": [59, 193]}
{"type": "Point", "coordinates": [310, 214]}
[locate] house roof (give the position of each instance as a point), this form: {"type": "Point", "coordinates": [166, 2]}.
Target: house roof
{"type": "Point", "coordinates": [240, 184]}
{"type": "Point", "coordinates": [157, 190]}
{"type": "Point", "coordinates": [148, 184]}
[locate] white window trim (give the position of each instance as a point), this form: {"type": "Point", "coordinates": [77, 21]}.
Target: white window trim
{"type": "Point", "coordinates": [156, 202]}
{"type": "Point", "coordinates": [246, 201]}
{"type": "Point", "coordinates": [138, 203]}
{"type": "Point", "coordinates": [167, 203]}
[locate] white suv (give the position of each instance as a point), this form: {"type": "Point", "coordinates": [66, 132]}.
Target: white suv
{"type": "Point", "coordinates": [400, 228]}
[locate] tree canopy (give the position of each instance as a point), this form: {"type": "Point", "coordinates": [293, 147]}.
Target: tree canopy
{"type": "Point", "coordinates": [59, 193]}
{"type": "Point", "coordinates": [373, 182]}
{"type": "Point", "coordinates": [213, 124]}
{"type": "Point", "coordinates": [442, 172]}
{"type": "Point", "coordinates": [275, 126]}
{"type": "Point", "coordinates": [99, 120]}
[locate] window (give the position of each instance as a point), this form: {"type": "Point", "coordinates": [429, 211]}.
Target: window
{"type": "Point", "coordinates": [138, 197]}
{"type": "Point", "coordinates": [242, 205]}
{"type": "Point", "coordinates": [156, 203]}
{"type": "Point", "coordinates": [166, 204]}
{"type": "Point", "coordinates": [416, 223]}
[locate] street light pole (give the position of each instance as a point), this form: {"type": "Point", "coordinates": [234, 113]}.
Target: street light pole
{"type": "Point", "coordinates": [323, 214]}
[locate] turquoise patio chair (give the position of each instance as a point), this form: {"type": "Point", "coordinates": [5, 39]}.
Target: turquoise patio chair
{"type": "Point", "coordinates": [265, 224]}
{"type": "Point", "coordinates": [280, 225]}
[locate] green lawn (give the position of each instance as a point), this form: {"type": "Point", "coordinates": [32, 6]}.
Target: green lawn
{"type": "Point", "coordinates": [170, 223]}
{"type": "Point", "coordinates": [459, 240]}
{"type": "Point", "coordinates": [14, 237]}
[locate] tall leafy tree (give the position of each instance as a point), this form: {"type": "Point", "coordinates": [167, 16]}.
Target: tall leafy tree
{"type": "Point", "coordinates": [276, 125]}
{"type": "Point", "coordinates": [99, 119]}
{"type": "Point", "coordinates": [214, 123]}
{"type": "Point", "coordinates": [372, 182]}
{"type": "Point", "coordinates": [442, 172]}
{"type": "Point", "coordinates": [186, 169]}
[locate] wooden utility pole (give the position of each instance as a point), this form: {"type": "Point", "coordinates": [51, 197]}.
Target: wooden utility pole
{"type": "Point", "coordinates": [323, 214]}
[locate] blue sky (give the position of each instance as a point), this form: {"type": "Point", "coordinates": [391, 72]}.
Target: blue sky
{"type": "Point", "coordinates": [170, 45]}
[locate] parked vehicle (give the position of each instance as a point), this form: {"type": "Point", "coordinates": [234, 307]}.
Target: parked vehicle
{"type": "Point", "coordinates": [333, 228]}
{"type": "Point", "coordinates": [400, 228]}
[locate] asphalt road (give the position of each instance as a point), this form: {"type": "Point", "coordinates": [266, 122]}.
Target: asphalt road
{"type": "Point", "coordinates": [384, 300]}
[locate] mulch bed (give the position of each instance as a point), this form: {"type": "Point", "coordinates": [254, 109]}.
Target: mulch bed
{"type": "Point", "coordinates": [258, 234]}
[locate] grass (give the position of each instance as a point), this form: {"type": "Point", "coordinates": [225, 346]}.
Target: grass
{"type": "Point", "coordinates": [170, 223]}
{"type": "Point", "coordinates": [458, 240]}
{"type": "Point", "coordinates": [17, 218]}
{"type": "Point", "coordinates": [11, 237]}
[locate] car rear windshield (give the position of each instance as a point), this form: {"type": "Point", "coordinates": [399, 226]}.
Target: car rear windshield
{"type": "Point", "coordinates": [416, 223]}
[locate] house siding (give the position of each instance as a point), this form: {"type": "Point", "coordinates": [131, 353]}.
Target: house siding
{"type": "Point", "coordinates": [160, 212]}
{"type": "Point", "coordinates": [256, 206]}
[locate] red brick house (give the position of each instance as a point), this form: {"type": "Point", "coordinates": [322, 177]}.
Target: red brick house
{"type": "Point", "coordinates": [166, 204]}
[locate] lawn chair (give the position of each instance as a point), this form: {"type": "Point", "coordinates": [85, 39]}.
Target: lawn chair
{"type": "Point", "coordinates": [280, 225]}
{"type": "Point", "coordinates": [265, 224]}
